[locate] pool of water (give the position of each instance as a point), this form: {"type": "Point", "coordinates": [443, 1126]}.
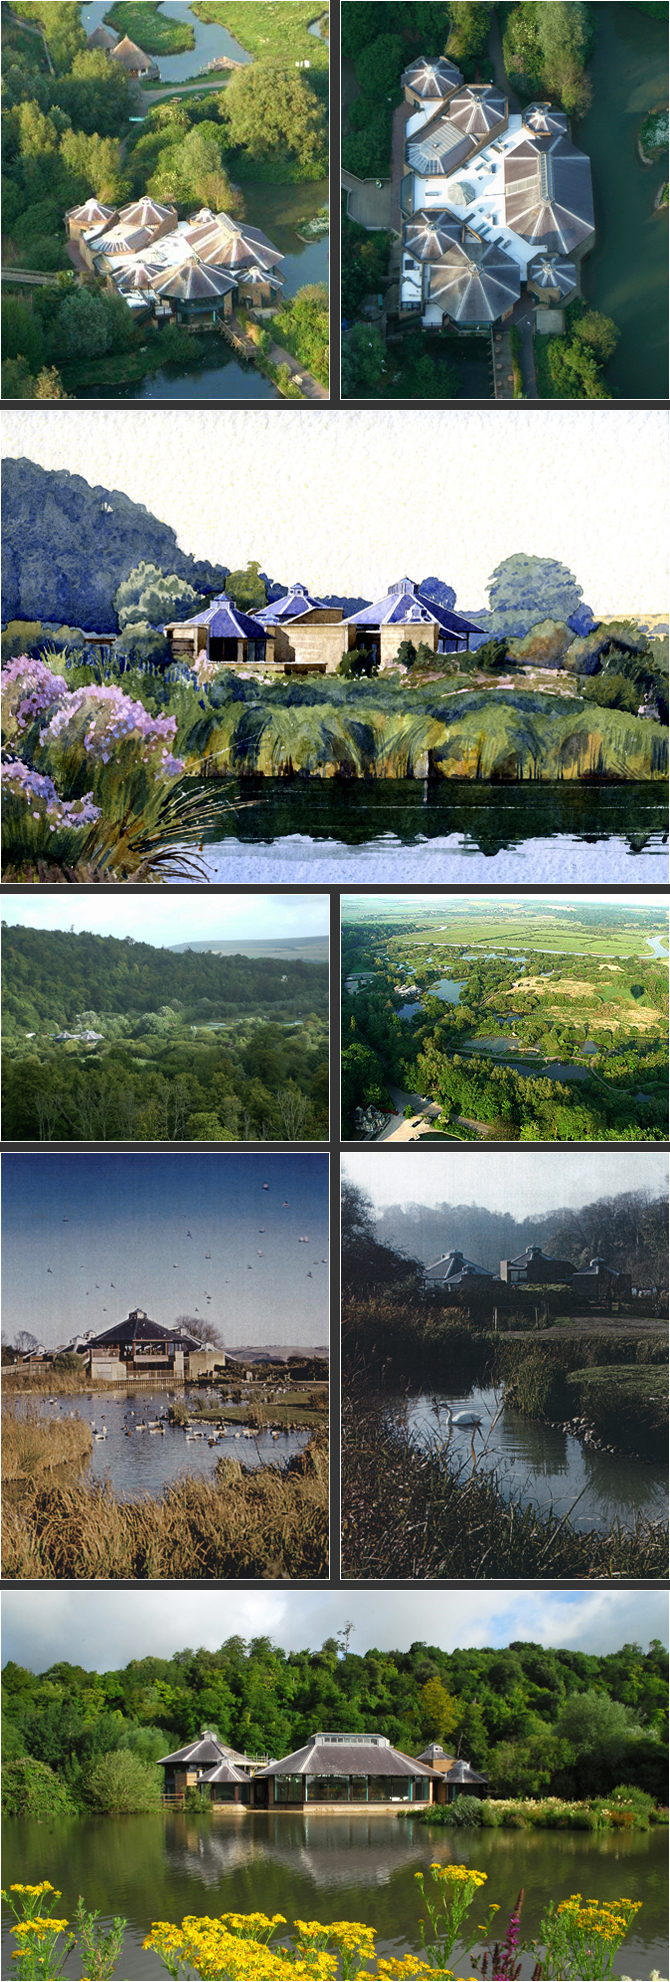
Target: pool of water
{"type": "Point", "coordinates": [403, 831]}
{"type": "Point", "coordinates": [626, 273]}
{"type": "Point", "coordinates": [539, 1466]}
{"type": "Point", "coordinates": [329, 1867]}
{"type": "Point", "coordinates": [140, 1462]}
{"type": "Point", "coordinates": [447, 989]}
{"type": "Point", "coordinates": [210, 39]}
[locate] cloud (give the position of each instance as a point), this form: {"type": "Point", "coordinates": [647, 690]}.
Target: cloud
{"type": "Point", "coordinates": [104, 1629]}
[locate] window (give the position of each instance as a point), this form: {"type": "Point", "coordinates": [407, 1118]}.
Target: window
{"type": "Point", "coordinates": [328, 1789]}
{"type": "Point", "coordinates": [359, 1789]}
{"type": "Point", "coordinates": [383, 1789]}
{"type": "Point", "coordinates": [420, 1789]}
{"type": "Point", "coordinates": [289, 1789]}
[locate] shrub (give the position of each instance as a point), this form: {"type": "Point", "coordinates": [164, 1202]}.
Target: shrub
{"type": "Point", "coordinates": [30, 1789]}
{"type": "Point", "coordinates": [120, 1781]}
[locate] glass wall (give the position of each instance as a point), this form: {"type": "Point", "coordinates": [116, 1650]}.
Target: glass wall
{"type": "Point", "coordinates": [289, 1789]}
{"type": "Point", "coordinates": [328, 1789]}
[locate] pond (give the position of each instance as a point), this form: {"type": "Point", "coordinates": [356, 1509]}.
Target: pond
{"type": "Point", "coordinates": [211, 39]}
{"type": "Point", "coordinates": [626, 273]}
{"type": "Point", "coordinates": [538, 1465]}
{"type": "Point", "coordinates": [330, 1867]}
{"type": "Point", "coordinates": [393, 830]}
{"type": "Point", "coordinates": [447, 989]}
{"type": "Point", "coordinates": [140, 1462]}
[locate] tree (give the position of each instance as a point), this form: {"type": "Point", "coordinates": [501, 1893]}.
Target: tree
{"type": "Point", "coordinates": [25, 1342]}
{"type": "Point", "coordinates": [268, 110]}
{"type": "Point", "coordinates": [247, 588]}
{"type": "Point", "coordinates": [435, 588]}
{"type": "Point", "coordinates": [203, 1330]}
{"type": "Point", "coordinates": [469, 31]}
{"type": "Point", "coordinates": [192, 171]}
{"type": "Point", "coordinates": [154, 596]}
{"type": "Point", "coordinates": [49, 384]}
{"type": "Point", "coordinates": [439, 1709]}
{"type": "Point", "coordinates": [358, 661]}
{"type": "Point", "coordinates": [364, 362]}
{"type": "Point", "coordinates": [38, 136]}
{"type": "Point", "coordinates": [83, 325]}
{"type": "Point", "coordinates": [492, 656]}
{"type": "Point", "coordinates": [599, 332]}
{"type": "Point", "coordinates": [31, 1789]}
{"type": "Point", "coordinates": [524, 590]}
{"type": "Point", "coordinates": [120, 1782]}
{"type": "Point", "coordinates": [22, 335]}
{"type": "Point", "coordinates": [97, 163]}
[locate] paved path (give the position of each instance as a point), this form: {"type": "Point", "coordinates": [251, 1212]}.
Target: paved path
{"type": "Point", "coordinates": [368, 201]}
{"type": "Point", "coordinates": [526, 360]}
{"type": "Point", "coordinates": [495, 50]}
{"type": "Point", "coordinates": [399, 1130]}
{"type": "Point", "coordinates": [401, 116]}
{"type": "Point", "coordinates": [310, 387]}
{"type": "Point", "coordinates": [29, 275]}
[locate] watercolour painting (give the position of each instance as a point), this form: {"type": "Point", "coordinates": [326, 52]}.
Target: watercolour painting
{"type": "Point", "coordinates": [199, 1438]}
{"type": "Point", "coordinates": [165, 201]}
{"type": "Point", "coordinates": [504, 1365]}
{"type": "Point", "coordinates": [248, 689]}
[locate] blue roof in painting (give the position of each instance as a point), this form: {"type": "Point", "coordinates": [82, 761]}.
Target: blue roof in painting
{"type": "Point", "coordinates": [405, 605]}
{"type": "Point", "coordinates": [293, 605]}
{"type": "Point", "coordinates": [226, 621]}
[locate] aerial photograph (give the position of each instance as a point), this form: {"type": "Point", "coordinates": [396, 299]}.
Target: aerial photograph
{"type": "Point", "coordinates": [504, 200]}
{"type": "Point", "coordinates": [505, 1365]}
{"type": "Point", "coordinates": [165, 200]}
{"type": "Point", "coordinates": [168, 1021]}
{"type": "Point", "coordinates": [511, 1019]}
{"type": "Point", "coordinates": [290, 680]}
{"type": "Point", "coordinates": [150, 1784]}
{"type": "Point", "coordinates": [181, 1779]}
{"type": "Point", "coordinates": [204, 1381]}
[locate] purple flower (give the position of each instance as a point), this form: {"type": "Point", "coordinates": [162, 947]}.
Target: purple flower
{"type": "Point", "coordinates": [29, 690]}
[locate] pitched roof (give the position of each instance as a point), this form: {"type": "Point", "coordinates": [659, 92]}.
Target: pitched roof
{"type": "Point", "coordinates": [345, 1755]}
{"type": "Point", "coordinates": [552, 272]}
{"type": "Point", "coordinates": [478, 110]}
{"type": "Point", "coordinates": [457, 1267]}
{"type": "Point", "coordinates": [192, 282]}
{"type": "Point", "coordinates": [102, 37]}
{"type": "Point", "coordinates": [548, 192]}
{"type": "Point", "coordinates": [536, 1252]}
{"type": "Point", "coordinates": [462, 1772]}
{"type": "Point", "coordinates": [292, 605]}
{"type": "Point", "coordinates": [543, 118]}
{"type": "Point", "coordinates": [475, 281]}
{"type": "Point", "coordinates": [146, 213]}
{"type": "Point", "coordinates": [225, 621]}
{"type": "Point", "coordinates": [404, 604]}
{"type": "Point", "coordinates": [230, 243]}
{"type": "Point", "coordinates": [131, 57]}
{"type": "Point", "coordinates": [225, 1772]}
{"type": "Point", "coordinates": [428, 236]}
{"type": "Point", "coordinates": [206, 1750]}
{"type": "Point", "coordinates": [431, 79]}
{"type": "Point", "coordinates": [138, 1328]}
{"type": "Point", "coordinates": [438, 148]}
{"type": "Point", "coordinates": [92, 213]}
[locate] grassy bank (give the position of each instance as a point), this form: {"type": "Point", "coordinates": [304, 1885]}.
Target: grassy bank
{"type": "Point", "coordinates": [32, 1445]}
{"type": "Point", "coordinates": [29, 1380]}
{"type": "Point", "coordinates": [627, 1406]}
{"type": "Point", "coordinates": [269, 1523]}
{"type": "Point", "coordinates": [406, 1515]}
{"type": "Point", "coordinates": [152, 31]}
{"type": "Point", "coordinates": [260, 27]}
{"type": "Point", "coordinates": [618, 1812]}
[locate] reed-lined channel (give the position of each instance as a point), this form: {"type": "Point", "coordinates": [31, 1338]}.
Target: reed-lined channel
{"type": "Point", "coordinates": [138, 1461]}
{"type": "Point", "coordinates": [329, 1868]}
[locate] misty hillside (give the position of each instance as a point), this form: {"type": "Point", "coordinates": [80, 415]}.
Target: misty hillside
{"type": "Point", "coordinates": [630, 1231]}
{"type": "Point", "coordinates": [312, 949]}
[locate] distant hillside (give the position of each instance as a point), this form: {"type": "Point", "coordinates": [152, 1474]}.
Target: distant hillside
{"type": "Point", "coordinates": [67, 545]}
{"type": "Point", "coordinates": [52, 975]}
{"type": "Point", "coordinates": [312, 949]}
{"type": "Point", "coordinates": [278, 1351]}
{"type": "Point", "coordinates": [630, 1231]}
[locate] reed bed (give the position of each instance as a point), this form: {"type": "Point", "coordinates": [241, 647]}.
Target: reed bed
{"type": "Point", "coordinates": [27, 1379]}
{"type": "Point", "coordinates": [412, 1511]}
{"type": "Point", "coordinates": [267, 1523]}
{"type": "Point", "coordinates": [32, 1445]}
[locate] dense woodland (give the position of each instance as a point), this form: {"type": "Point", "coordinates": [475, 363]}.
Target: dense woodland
{"type": "Point", "coordinates": [629, 1230]}
{"type": "Point", "coordinates": [532, 1718]}
{"type": "Point", "coordinates": [607, 1018]}
{"type": "Point", "coordinates": [157, 1073]}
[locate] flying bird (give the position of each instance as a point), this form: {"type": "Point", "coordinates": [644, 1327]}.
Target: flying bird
{"type": "Point", "coordinates": [66, 1221]}
{"type": "Point", "coordinates": [111, 1283]}
{"type": "Point", "coordinates": [48, 1269]}
{"type": "Point", "coordinates": [208, 1255]}
{"type": "Point", "coordinates": [310, 1276]}
{"type": "Point", "coordinates": [189, 1235]}
{"type": "Point", "coordinates": [285, 1204]}
{"type": "Point", "coordinates": [261, 1228]}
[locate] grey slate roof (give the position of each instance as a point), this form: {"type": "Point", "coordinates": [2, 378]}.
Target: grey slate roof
{"type": "Point", "coordinates": [346, 1755]}
{"type": "Point", "coordinates": [543, 118]}
{"type": "Point", "coordinates": [138, 1328]}
{"type": "Point", "coordinates": [404, 604]}
{"type": "Point", "coordinates": [475, 282]}
{"type": "Point", "coordinates": [428, 236]}
{"type": "Point", "coordinates": [193, 283]}
{"type": "Point", "coordinates": [536, 1252]}
{"type": "Point", "coordinates": [146, 213]}
{"type": "Point", "coordinates": [207, 1751]}
{"type": "Point", "coordinates": [225, 1772]}
{"type": "Point", "coordinates": [292, 605]}
{"type": "Point", "coordinates": [552, 272]}
{"type": "Point", "coordinates": [478, 110]}
{"type": "Point", "coordinates": [462, 1772]}
{"type": "Point", "coordinates": [92, 214]}
{"type": "Point", "coordinates": [548, 192]}
{"type": "Point", "coordinates": [231, 244]}
{"type": "Point", "coordinates": [457, 1268]}
{"type": "Point", "coordinates": [432, 79]}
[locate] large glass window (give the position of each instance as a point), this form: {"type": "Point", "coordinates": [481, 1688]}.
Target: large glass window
{"type": "Point", "coordinates": [289, 1789]}
{"type": "Point", "coordinates": [420, 1789]}
{"type": "Point", "coordinates": [387, 1789]}
{"type": "Point", "coordinates": [328, 1789]}
{"type": "Point", "coordinates": [359, 1789]}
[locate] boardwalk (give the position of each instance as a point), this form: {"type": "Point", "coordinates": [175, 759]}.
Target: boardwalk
{"type": "Point", "coordinates": [368, 201]}
{"type": "Point", "coordinates": [234, 331]}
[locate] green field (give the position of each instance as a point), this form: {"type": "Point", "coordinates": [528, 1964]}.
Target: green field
{"type": "Point", "coordinates": [261, 27]}
{"type": "Point", "coordinates": [554, 934]}
{"type": "Point", "coordinates": [154, 32]}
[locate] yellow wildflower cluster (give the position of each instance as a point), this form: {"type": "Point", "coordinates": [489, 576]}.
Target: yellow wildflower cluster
{"type": "Point", "coordinates": [213, 1951]}
{"type": "Point", "coordinates": [35, 1892]}
{"type": "Point", "coordinates": [610, 1919]}
{"type": "Point", "coordinates": [465, 1874]}
{"type": "Point", "coordinates": [40, 1927]}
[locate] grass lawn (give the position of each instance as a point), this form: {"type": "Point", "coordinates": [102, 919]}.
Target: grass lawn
{"type": "Point", "coordinates": [534, 933]}
{"type": "Point", "coordinates": [269, 30]}
{"type": "Point", "coordinates": [154, 32]}
{"type": "Point", "coordinates": [626, 1402]}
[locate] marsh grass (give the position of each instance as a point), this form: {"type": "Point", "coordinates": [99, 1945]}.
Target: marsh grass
{"type": "Point", "coordinates": [28, 1380]}
{"type": "Point", "coordinates": [411, 1510]}
{"type": "Point", "coordinates": [268, 1523]}
{"type": "Point", "coordinates": [32, 1445]}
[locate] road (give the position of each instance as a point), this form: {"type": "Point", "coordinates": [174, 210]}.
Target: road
{"type": "Point", "coordinates": [398, 1129]}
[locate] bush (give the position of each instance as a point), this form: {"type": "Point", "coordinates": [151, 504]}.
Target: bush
{"type": "Point", "coordinates": [72, 1364]}
{"type": "Point", "coordinates": [612, 691]}
{"type": "Point", "coordinates": [121, 1782]}
{"type": "Point", "coordinates": [30, 1789]}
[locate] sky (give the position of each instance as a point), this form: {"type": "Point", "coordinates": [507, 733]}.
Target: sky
{"type": "Point", "coordinates": [417, 902]}
{"type": "Point", "coordinates": [104, 1629]}
{"type": "Point", "coordinates": [67, 1219]}
{"type": "Point", "coordinates": [527, 1184]}
{"type": "Point", "coordinates": [181, 917]}
{"type": "Point", "coordinates": [311, 499]}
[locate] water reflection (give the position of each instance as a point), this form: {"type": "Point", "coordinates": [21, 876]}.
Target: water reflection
{"type": "Point", "coordinates": [138, 1461]}
{"type": "Point", "coordinates": [538, 1464]}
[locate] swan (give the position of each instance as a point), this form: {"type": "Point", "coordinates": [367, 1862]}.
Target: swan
{"type": "Point", "coordinates": [465, 1420]}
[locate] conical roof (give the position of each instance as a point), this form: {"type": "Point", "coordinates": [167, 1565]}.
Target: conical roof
{"type": "Point", "coordinates": [92, 214]}
{"type": "Point", "coordinates": [428, 236]}
{"type": "Point", "coordinates": [548, 193]}
{"type": "Point", "coordinates": [292, 605]}
{"type": "Point", "coordinates": [230, 244]}
{"type": "Point", "coordinates": [543, 119]}
{"type": "Point", "coordinates": [439, 148]}
{"type": "Point", "coordinates": [130, 56]}
{"type": "Point", "coordinates": [225, 1772]}
{"type": "Point", "coordinates": [433, 79]}
{"type": "Point", "coordinates": [225, 620]}
{"type": "Point", "coordinates": [404, 604]}
{"type": "Point", "coordinates": [102, 37]}
{"type": "Point", "coordinates": [475, 282]}
{"type": "Point", "coordinates": [146, 213]}
{"type": "Point", "coordinates": [192, 282]}
{"type": "Point", "coordinates": [205, 1752]}
{"type": "Point", "coordinates": [551, 272]}
{"type": "Point", "coordinates": [478, 110]}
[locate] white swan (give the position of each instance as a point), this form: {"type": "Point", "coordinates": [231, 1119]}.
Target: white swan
{"type": "Point", "coordinates": [463, 1420]}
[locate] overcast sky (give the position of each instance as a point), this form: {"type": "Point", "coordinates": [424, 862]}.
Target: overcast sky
{"type": "Point", "coordinates": [87, 1238]}
{"type": "Point", "coordinates": [177, 918]}
{"type": "Point", "coordinates": [526, 1183]}
{"type": "Point", "coordinates": [104, 1629]}
{"type": "Point", "coordinates": [349, 502]}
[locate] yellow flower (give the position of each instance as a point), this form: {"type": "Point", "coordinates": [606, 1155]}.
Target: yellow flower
{"type": "Point", "coordinates": [40, 1927]}
{"type": "Point", "coordinates": [35, 1891]}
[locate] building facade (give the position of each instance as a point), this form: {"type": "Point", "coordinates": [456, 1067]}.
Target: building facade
{"type": "Point", "coordinates": [221, 634]}
{"type": "Point", "coordinates": [308, 634]}
{"type": "Point", "coordinates": [139, 1347]}
{"type": "Point", "coordinates": [195, 270]}
{"type": "Point", "coordinates": [407, 613]}
{"type": "Point", "coordinates": [346, 1771]}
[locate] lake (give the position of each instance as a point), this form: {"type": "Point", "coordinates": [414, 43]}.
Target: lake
{"type": "Point", "coordinates": [146, 1462]}
{"type": "Point", "coordinates": [625, 274]}
{"type": "Point", "coordinates": [538, 1465]}
{"type": "Point", "coordinates": [402, 830]}
{"type": "Point", "coordinates": [210, 39]}
{"type": "Point", "coordinates": [329, 1867]}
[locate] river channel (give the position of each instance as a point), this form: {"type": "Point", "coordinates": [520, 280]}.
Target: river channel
{"type": "Point", "coordinates": [626, 273]}
{"type": "Point", "coordinates": [329, 1867]}
{"type": "Point", "coordinates": [277, 210]}
{"type": "Point", "coordinates": [394, 830]}
{"type": "Point", "coordinates": [138, 1461]}
{"type": "Point", "coordinates": [538, 1465]}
